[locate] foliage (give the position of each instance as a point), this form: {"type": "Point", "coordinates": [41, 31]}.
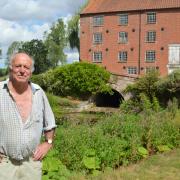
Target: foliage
{"type": "Point", "coordinates": [143, 152]}
{"type": "Point", "coordinates": [146, 84]}
{"type": "Point", "coordinates": [73, 30]}
{"type": "Point", "coordinates": [42, 79]}
{"type": "Point", "coordinates": [53, 167]}
{"type": "Point", "coordinates": [91, 161]}
{"type": "Point", "coordinates": [78, 80]}
{"type": "Point", "coordinates": [143, 105]}
{"type": "Point", "coordinates": [38, 51]}
{"type": "Point", "coordinates": [55, 42]}
{"type": "Point", "coordinates": [3, 72]}
{"type": "Point", "coordinates": [169, 87]}
{"type": "Point", "coordinates": [114, 141]}
{"type": "Point", "coordinates": [160, 166]}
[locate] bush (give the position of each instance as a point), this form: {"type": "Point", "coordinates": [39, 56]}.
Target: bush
{"type": "Point", "coordinates": [146, 85]}
{"type": "Point", "coordinates": [79, 80]}
{"type": "Point", "coordinates": [169, 87]}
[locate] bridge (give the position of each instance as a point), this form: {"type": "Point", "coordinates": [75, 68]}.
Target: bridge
{"type": "Point", "coordinates": [119, 83]}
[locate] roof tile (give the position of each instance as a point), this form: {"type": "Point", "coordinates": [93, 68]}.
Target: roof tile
{"type": "Point", "coordinates": [104, 6]}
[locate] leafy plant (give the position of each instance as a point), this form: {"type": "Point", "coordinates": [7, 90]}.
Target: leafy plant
{"type": "Point", "coordinates": [163, 148]}
{"type": "Point", "coordinates": [91, 161]}
{"type": "Point", "coordinates": [53, 168]}
{"type": "Point", "coordinates": [143, 152]}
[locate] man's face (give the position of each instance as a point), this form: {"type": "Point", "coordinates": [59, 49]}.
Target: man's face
{"type": "Point", "coordinates": [21, 68]}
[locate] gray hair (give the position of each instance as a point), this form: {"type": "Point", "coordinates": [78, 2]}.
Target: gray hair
{"type": "Point", "coordinates": [11, 59]}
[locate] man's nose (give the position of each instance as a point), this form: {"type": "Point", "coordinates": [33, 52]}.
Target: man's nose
{"type": "Point", "coordinates": [22, 69]}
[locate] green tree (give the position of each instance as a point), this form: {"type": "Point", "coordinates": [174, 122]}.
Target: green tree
{"type": "Point", "coordinates": [73, 32]}
{"type": "Point", "coordinates": [73, 29]}
{"type": "Point", "coordinates": [3, 72]}
{"type": "Point", "coordinates": [14, 47]}
{"type": "Point", "coordinates": [55, 42]}
{"type": "Point", "coordinates": [38, 51]}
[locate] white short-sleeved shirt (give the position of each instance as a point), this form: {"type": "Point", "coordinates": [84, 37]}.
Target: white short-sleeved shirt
{"type": "Point", "coordinates": [19, 140]}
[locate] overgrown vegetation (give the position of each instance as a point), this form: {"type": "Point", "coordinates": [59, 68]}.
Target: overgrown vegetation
{"type": "Point", "coordinates": [152, 92]}
{"type": "Point", "coordinates": [141, 128]}
{"type": "Point", "coordinates": [78, 80]}
{"type": "Point", "coordinates": [120, 139]}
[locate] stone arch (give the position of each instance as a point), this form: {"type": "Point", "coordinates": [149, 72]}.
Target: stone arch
{"type": "Point", "coordinates": [108, 100]}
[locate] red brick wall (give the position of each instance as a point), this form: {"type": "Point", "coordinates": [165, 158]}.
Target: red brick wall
{"type": "Point", "coordinates": [169, 20]}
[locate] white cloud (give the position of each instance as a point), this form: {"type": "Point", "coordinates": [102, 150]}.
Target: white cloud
{"type": "Point", "coordinates": [37, 9]}
{"type": "Point", "coordinates": [24, 20]}
{"type": "Point", "coordinates": [11, 31]}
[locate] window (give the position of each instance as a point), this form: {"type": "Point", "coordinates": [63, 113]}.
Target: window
{"type": "Point", "coordinates": [123, 56]}
{"type": "Point", "coordinates": [98, 20]}
{"type": "Point", "coordinates": [151, 17]}
{"type": "Point", "coordinates": [132, 70]}
{"type": "Point", "coordinates": [97, 38]}
{"type": "Point", "coordinates": [151, 36]}
{"type": "Point", "coordinates": [123, 19]}
{"type": "Point", "coordinates": [123, 37]}
{"type": "Point", "coordinates": [150, 56]}
{"type": "Point", "coordinates": [97, 56]}
{"type": "Point", "coordinates": [174, 54]}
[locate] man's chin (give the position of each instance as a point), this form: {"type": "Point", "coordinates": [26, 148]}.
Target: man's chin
{"type": "Point", "coordinates": [21, 80]}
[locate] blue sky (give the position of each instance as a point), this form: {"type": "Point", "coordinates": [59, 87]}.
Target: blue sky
{"type": "Point", "coordinates": [23, 20]}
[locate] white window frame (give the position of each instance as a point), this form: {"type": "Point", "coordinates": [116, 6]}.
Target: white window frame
{"type": "Point", "coordinates": [122, 56]}
{"type": "Point", "coordinates": [151, 36]}
{"type": "Point", "coordinates": [151, 17]}
{"type": "Point", "coordinates": [97, 38]}
{"type": "Point", "coordinates": [97, 56]}
{"type": "Point", "coordinates": [174, 54]}
{"type": "Point", "coordinates": [123, 37]}
{"type": "Point", "coordinates": [132, 70]}
{"type": "Point", "coordinates": [98, 20]}
{"type": "Point", "coordinates": [123, 19]}
{"type": "Point", "coordinates": [150, 56]}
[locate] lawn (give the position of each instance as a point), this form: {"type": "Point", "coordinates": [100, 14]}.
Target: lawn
{"type": "Point", "coordinates": [164, 166]}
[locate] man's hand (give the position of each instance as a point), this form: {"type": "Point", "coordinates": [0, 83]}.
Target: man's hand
{"type": "Point", "coordinates": [41, 151]}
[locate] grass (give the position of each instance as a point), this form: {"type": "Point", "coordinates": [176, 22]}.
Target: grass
{"type": "Point", "coordinates": [164, 166]}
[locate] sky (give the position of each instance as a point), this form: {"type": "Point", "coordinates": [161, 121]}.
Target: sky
{"type": "Point", "coordinates": [24, 20]}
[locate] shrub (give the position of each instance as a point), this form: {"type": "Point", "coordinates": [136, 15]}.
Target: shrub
{"type": "Point", "coordinates": [146, 84]}
{"type": "Point", "coordinates": [43, 80]}
{"type": "Point", "coordinates": [169, 87]}
{"type": "Point", "coordinates": [79, 80]}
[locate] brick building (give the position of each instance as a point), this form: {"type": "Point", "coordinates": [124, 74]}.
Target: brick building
{"type": "Point", "coordinates": [130, 37]}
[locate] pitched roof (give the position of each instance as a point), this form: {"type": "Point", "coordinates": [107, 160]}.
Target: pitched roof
{"type": "Point", "coordinates": [104, 6]}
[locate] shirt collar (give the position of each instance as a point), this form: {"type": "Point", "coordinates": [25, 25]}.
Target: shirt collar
{"type": "Point", "coordinates": [34, 87]}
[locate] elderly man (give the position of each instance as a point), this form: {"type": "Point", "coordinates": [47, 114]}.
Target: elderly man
{"type": "Point", "coordinates": [24, 114]}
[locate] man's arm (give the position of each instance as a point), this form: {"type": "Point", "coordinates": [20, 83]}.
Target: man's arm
{"type": "Point", "coordinates": [44, 147]}
{"type": "Point", "coordinates": [49, 135]}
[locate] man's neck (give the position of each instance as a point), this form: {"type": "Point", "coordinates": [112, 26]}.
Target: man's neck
{"type": "Point", "coordinates": [18, 88]}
